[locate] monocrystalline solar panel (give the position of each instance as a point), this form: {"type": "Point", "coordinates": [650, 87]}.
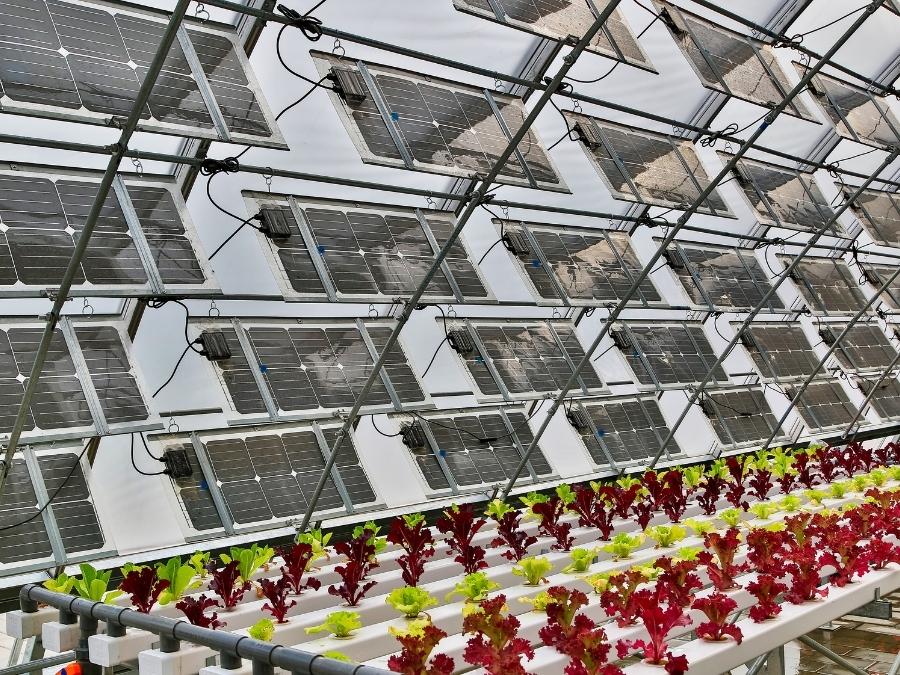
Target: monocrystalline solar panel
{"type": "Point", "coordinates": [824, 405]}
{"type": "Point", "coordinates": [115, 384]}
{"type": "Point", "coordinates": [740, 417]}
{"type": "Point", "coordinates": [784, 197]}
{"type": "Point", "coordinates": [645, 166]}
{"type": "Point", "coordinates": [28, 541]}
{"type": "Point", "coordinates": [878, 275]}
{"type": "Point", "coordinates": [886, 400]}
{"type": "Point", "coordinates": [194, 493]}
{"type": "Point", "coordinates": [585, 266]}
{"type": "Point", "coordinates": [722, 277]}
{"type": "Point", "coordinates": [419, 122]}
{"type": "Point", "coordinates": [879, 213]}
{"type": "Point", "coordinates": [527, 358]}
{"type": "Point", "coordinates": [368, 252]}
{"type": "Point", "coordinates": [856, 113]}
{"type": "Point", "coordinates": [780, 350]}
{"type": "Point", "coordinates": [83, 62]}
{"type": "Point", "coordinates": [730, 62]}
{"type": "Point", "coordinates": [629, 430]}
{"type": "Point", "coordinates": [73, 511]}
{"type": "Point", "coordinates": [560, 19]}
{"type": "Point", "coordinates": [827, 285]}
{"type": "Point", "coordinates": [670, 354]}
{"type": "Point", "coordinates": [864, 347]}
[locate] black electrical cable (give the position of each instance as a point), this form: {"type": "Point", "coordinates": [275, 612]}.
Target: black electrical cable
{"type": "Point", "coordinates": [243, 221]}
{"type": "Point", "coordinates": [53, 496]}
{"type": "Point", "coordinates": [800, 36]}
{"type": "Point", "coordinates": [656, 17]}
{"type": "Point", "coordinates": [732, 129]}
{"type": "Point", "coordinates": [146, 447]}
{"type": "Point", "coordinates": [135, 466]}
{"type": "Point", "coordinates": [502, 231]}
{"type": "Point", "coordinates": [372, 417]}
{"type": "Point", "coordinates": [446, 339]}
{"type": "Point", "coordinates": [310, 26]}
{"type": "Point", "coordinates": [603, 352]}
{"type": "Point", "coordinates": [174, 370]}
{"type": "Point", "coordinates": [291, 70]}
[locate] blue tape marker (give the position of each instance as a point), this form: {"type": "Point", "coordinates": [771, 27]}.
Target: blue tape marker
{"type": "Point", "coordinates": [442, 453]}
{"type": "Point", "coordinates": [395, 116]}
{"type": "Point", "coordinates": [321, 249]}
{"type": "Point", "coordinates": [263, 369]}
{"type": "Point", "coordinates": [601, 433]}
{"type": "Point", "coordinates": [535, 263]}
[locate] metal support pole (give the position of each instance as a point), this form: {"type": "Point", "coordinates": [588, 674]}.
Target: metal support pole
{"type": "Point", "coordinates": [52, 318]}
{"type": "Point", "coordinates": [871, 394]}
{"type": "Point", "coordinates": [88, 627]}
{"type": "Point", "coordinates": [780, 279]}
{"type": "Point", "coordinates": [831, 350]}
{"type": "Point", "coordinates": [39, 665]}
{"type": "Point", "coordinates": [827, 653]}
{"type": "Point", "coordinates": [670, 237]}
{"type": "Point", "coordinates": [757, 664]}
{"type": "Point", "coordinates": [474, 201]}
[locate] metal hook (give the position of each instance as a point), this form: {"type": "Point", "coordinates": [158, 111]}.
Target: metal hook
{"type": "Point", "coordinates": [88, 308]}
{"type": "Point", "coordinates": [451, 312]}
{"type": "Point", "coordinates": [173, 427]}
{"type": "Point", "coordinates": [373, 312]}
{"type": "Point", "coordinates": [431, 203]}
{"type": "Point", "coordinates": [138, 166]}
{"type": "Point", "coordinates": [201, 13]}
{"type": "Point", "coordinates": [213, 310]}
{"type": "Point", "coordinates": [268, 178]}
{"type": "Point", "coordinates": [498, 85]}
{"type": "Point", "coordinates": [337, 48]}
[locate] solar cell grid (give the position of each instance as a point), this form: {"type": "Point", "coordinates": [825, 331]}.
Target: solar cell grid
{"type": "Point", "coordinates": [879, 213]}
{"type": "Point", "coordinates": [670, 354]}
{"type": "Point", "coordinates": [629, 430]}
{"type": "Point", "coordinates": [886, 400]}
{"type": "Point", "coordinates": [827, 285]}
{"type": "Point", "coordinates": [28, 541]}
{"type": "Point", "coordinates": [781, 351]}
{"type": "Point", "coordinates": [864, 347]}
{"type": "Point", "coordinates": [877, 275]}
{"type": "Point", "coordinates": [823, 405]}
{"type": "Point", "coordinates": [741, 417]}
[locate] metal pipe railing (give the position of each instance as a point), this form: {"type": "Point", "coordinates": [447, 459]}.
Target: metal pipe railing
{"type": "Point", "coordinates": [231, 646]}
{"type": "Point", "coordinates": [614, 315]}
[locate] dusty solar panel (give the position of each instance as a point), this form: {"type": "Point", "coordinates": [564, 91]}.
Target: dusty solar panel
{"type": "Point", "coordinates": [665, 354]}
{"type": "Point", "coordinates": [285, 370]}
{"type": "Point", "coordinates": [562, 19]}
{"type": "Point", "coordinates": [729, 62]}
{"type": "Point", "coordinates": [722, 277]}
{"type": "Point", "coordinates": [351, 251]}
{"type": "Point", "coordinates": [513, 359]}
{"type": "Point", "coordinates": [879, 213]}
{"type": "Point", "coordinates": [856, 113]}
{"type": "Point", "coordinates": [466, 449]}
{"type": "Point", "coordinates": [877, 275]}
{"type": "Point", "coordinates": [824, 405]}
{"type": "Point", "coordinates": [644, 166]}
{"type": "Point", "coordinates": [886, 400]}
{"type": "Point", "coordinates": [864, 347]}
{"type": "Point", "coordinates": [827, 285]}
{"type": "Point", "coordinates": [784, 197]}
{"type": "Point", "coordinates": [143, 241]}
{"type": "Point", "coordinates": [85, 62]}
{"type": "Point", "coordinates": [740, 417]}
{"type": "Point", "coordinates": [624, 430]}
{"type": "Point", "coordinates": [410, 120]}
{"type": "Point", "coordinates": [577, 266]}
{"type": "Point", "coordinates": [780, 350]}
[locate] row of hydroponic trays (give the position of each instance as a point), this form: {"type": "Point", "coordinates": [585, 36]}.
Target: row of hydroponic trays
{"type": "Point", "coordinates": [741, 555]}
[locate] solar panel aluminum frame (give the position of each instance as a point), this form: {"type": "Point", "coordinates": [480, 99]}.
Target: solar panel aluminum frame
{"type": "Point", "coordinates": [154, 286]}
{"type": "Point", "coordinates": [679, 146]}
{"type": "Point", "coordinates": [454, 488]}
{"type": "Point", "coordinates": [497, 15]}
{"type": "Point", "coordinates": [325, 61]}
{"type": "Point", "coordinates": [731, 443]}
{"type": "Point", "coordinates": [59, 557]}
{"type": "Point", "coordinates": [219, 131]}
{"type": "Point", "coordinates": [564, 299]}
{"type": "Point", "coordinates": [257, 201]}
{"type": "Point", "coordinates": [99, 426]}
{"type": "Point", "coordinates": [242, 328]}
{"type": "Point", "coordinates": [868, 221]}
{"type": "Point", "coordinates": [505, 395]}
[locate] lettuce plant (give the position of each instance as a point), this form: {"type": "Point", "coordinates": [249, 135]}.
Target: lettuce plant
{"type": "Point", "coordinates": [674, 495]}
{"type": "Point", "coordinates": [617, 601]}
{"type": "Point", "coordinates": [731, 517]}
{"type": "Point", "coordinates": [180, 577]}
{"type": "Point", "coordinates": [593, 510]}
{"type": "Point", "coordinates": [762, 510]}
{"type": "Point", "coordinates": [473, 587]}
{"type": "Point", "coordinates": [653, 488]}
{"type": "Point", "coordinates": [623, 545]}
{"type": "Point", "coordinates": [539, 602]}
{"type": "Point", "coordinates": [318, 541]}
{"type": "Point", "coordinates": [494, 644]}
{"type": "Point", "coordinates": [878, 477]}
{"type": "Point", "coordinates": [815, 497]}
{"type": "Point", "coordinates": [561, 609]}
{"type": "Point", "coordinates": [297, 559]}
{"type": "Point", "coordinates": [666, 535]}
{"type": "Point", "coordinates": [94, 584]}
{"type": "Point", "coordinates": [807, 474]}
{"type": "Point", "coordinates": [766, 589]}
{"type": "Point", "coordinates": [533, 570]}
{"type": "Point", "coordinates": [412, 534]}
{"type": "Point", "coordinates": [228, 584]}
{"type": "Point", "coordinates": [276, 592]}
{"type": "Point", "coordinates": [766, 550]}
{"type": "Point", "coordinates": [717, 607]}
{"type": "Point", "coordinates": [760, 482]}
{"type": "Point", "coordinates": [565, 493]}
{"type": "Point", "coordinates": [371, 529]}
{"type": "Point", "coordinates": [340, 624]}
{"type": "Point", "coordinates": [659, 617]}
{"type": "Point", "coordinates": [410, 601]}
{"type": "Point", "coordinates": [550, 514]}
{"type": "Point", "coordinates": [250, 560]}
{"type": "Point", "coordinates": [643, 511]}
{"type": "Point", "coordinates": [843, 551]}
{"type": "Point", "coordinates": [200, 562]}
{"type": "Point", "coordinates": [720, 565]}
{"type": "Point", "coordinates": [194, 610]}
{"type": "Point", "coordinates": [803, 567]}
{"type": "Point", "coordinates": [360, 555]}
{"type": "Point", "coordinates": [60, 584]}
{"type": "Point", "coordinates": [623, 497]}
{"type": "Point", "coordinates": [790, 504]}
{"type": "Point", "coordinates": [337, 656]}
{"type": "Point", "coordinates": [418, 641]}
{"type": "Point", "coordinates": [529, 500]}
{"type": "Point", "coordinates": [880, 552]}
{"type": "Point", "coordinates": [582, 558]}
{"type": "Point", "coordinates": [599, 582]}
{"type": "Point", "coordinates": [860, 482]}
{"type": "Point", "coordinates": [711, 487]}
{"type": "Point", "coordinates": [734, 488]}
{"type": "Point", "coordinates": [783, 469]}
{"type": "Point", "coordinates": [144, 587]}
{"type": "Point", "coordinates": [680, 578]}
{"type": "Point", "coordinates": [460, 523]}
{"type": "Point", "coordinates": [700, 527]}
{"type": "Point", "coordinates": [263, 630]}
{"type": "Point", "coordinates": [576, 635]}
{"type": "Point", "coordinates": [509, 532]}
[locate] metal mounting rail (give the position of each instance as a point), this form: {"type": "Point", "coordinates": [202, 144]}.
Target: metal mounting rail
{"type": "Point", "coordinates": [232, 647]}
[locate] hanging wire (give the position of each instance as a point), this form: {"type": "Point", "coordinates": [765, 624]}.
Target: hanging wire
{"type": "Point", "coordinates": [386, 435]}
{"type": "Point", "coordinates": [135, 466]}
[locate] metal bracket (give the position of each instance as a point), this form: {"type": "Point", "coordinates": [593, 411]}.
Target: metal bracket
{"type": "Point", "coordinates": [206, 92]}
{"type": "Point", "coordinates": [435, 249]}
{"type": "Point", "coordinates": [436, 451]}
{"type": "Point", "coordinates": [373, 353]}
{"type": "Point", "coordinates": [309, 239]}
{"type": "Point", "coordinates": [215, 491]}
{"type": "Point", "coordinates": [49, 518]}
{"type": "Point", "coordinates": [253, 362]}
{"type": "Point", "coordinates": [385, 112]}
{"type": "Point", "coordinates": [335, 472]}
{"type": "Point", "coordinates": [84, 376]}
{"type": "Point", "coordinates": [509, 137]}
{"type": "Point", "coordinates": [137, 236]}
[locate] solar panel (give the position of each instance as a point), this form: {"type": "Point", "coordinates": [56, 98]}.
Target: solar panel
{"type": "Point", "coordinates": [780, 350]}
{"type": "Point", "coordinates": [824, 405]}
{"type": "Point", "coordinates": [578, 266]}
{"type": "Point", "coordinates": [864, 347]}
{"type": "Point", "coordinates": [472, 448]}
{"type": "Point", "coordinates": [410, 120]}
{"type": "Point", "coordinates": [644, 166]}
{"type": "Point", "coordinates": [512, 359]}
{"type": "Point", "coordinates": [886, 400]}
{"type": "Point", "coordinates": [560, 19]}
{"type": "Point", "coordinates": [856, 113]}
{"type": "Point", "coordinates": [313, 367]}
{"type": "Point", "coordinates": [740, 417]}
{"type": "Point", "coordinates": [664, 354]}
{"type": "Point", "coordinates": [143, 241]}
{"type": "Point", "coordinates": [628, 430]}
{"type": "Point", "coordinates": [365, 252]}
{"type": "Point", "coordinates": [722, 277]}
{"type": "Point", "coordinates": [784, 197]}
{"type": "Point", "coordinates": [879, 213]}
{"type": "Point", "coordinates": [877, 275]}
{"type": "Point", "coordinates": [827, 285]}
{"type": "Point", "coordinates": [85, 63]}
{"type": "Point", "coordinates": [266, 476]}
{"type": "Point", "coordinates": [729, 62]}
